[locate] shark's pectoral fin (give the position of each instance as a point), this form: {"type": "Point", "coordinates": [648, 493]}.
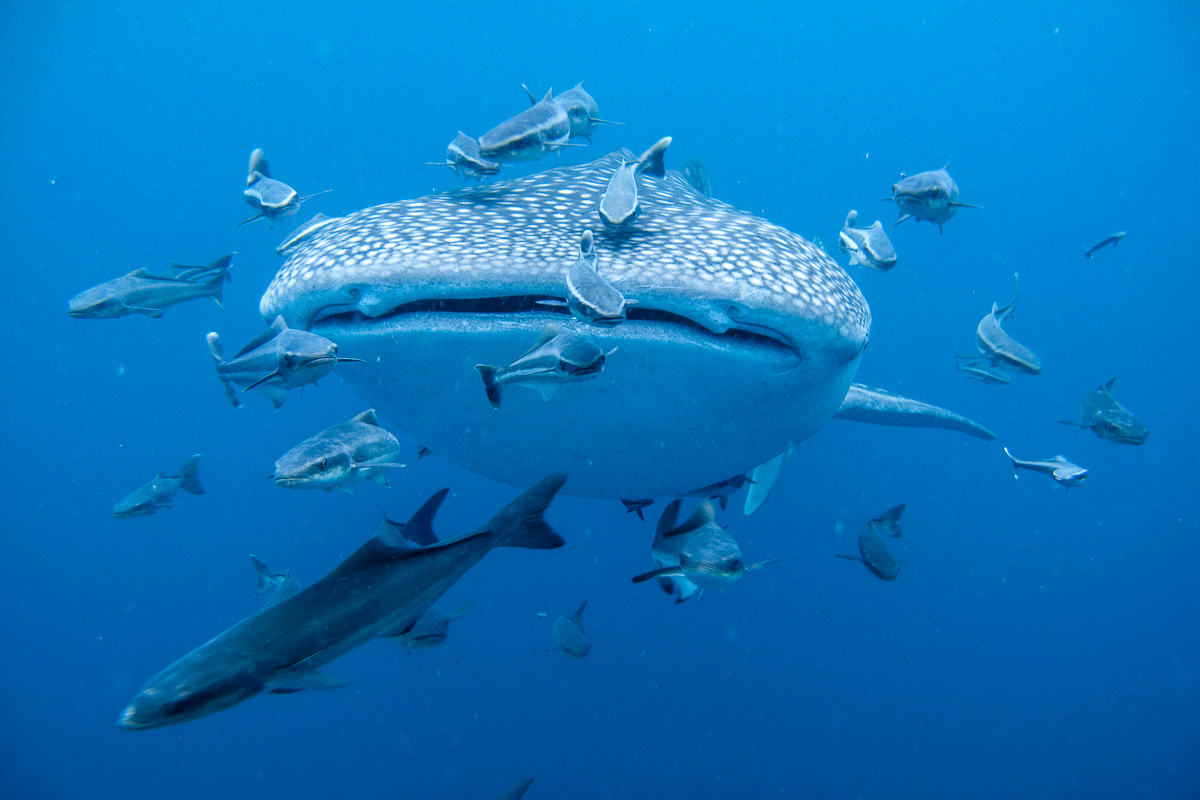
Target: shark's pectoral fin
{"type": "Point", "coordinates": [763, 480]}
{"type": "Point", "coordinates": [300, 680]}
{"type": "Point", "coordinates": [864, 404]}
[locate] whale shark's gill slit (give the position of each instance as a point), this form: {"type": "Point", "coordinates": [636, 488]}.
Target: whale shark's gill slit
{"type": "Point", "coordinates": [532, 304]}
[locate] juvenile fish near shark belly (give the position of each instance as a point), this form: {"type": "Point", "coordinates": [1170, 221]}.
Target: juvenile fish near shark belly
{"type": "Point", "coordinates": [738, 320]}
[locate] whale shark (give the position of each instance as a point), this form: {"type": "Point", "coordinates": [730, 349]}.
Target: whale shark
{"type": "Point", "coordinates": [745, 339]}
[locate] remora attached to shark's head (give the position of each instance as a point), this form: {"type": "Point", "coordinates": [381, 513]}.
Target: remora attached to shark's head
{"type": "Point", "coordinates": [744, 340]}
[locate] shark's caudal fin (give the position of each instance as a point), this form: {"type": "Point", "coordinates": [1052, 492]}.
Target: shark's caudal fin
{"type": "Point", "coordinates": [864, 404]}
{"type": "Point", "coordinates": [264, 576]}
{"type": "Point", "coordinates": [190, 476]}
{"type": "Point", "coordinates": [520, 523]}
{"type": "Point", "coordinates": [219, 270]}
{"type": "Point", "coordinates": [889, 521]}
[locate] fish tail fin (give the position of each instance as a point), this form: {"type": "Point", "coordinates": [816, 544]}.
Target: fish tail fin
{"type": "Point", "coordinates": [214, 347]}
{"type": "Point", "coordinates": [577, 617]}
{"type": "Point", "coordinates": [216, 287]}
{"type": "Point", "coordinates": [889, 520]}
{"type": "Point", "coordinates": [419, 528]}
{"type": "Point", "coordinates": [189, 474]}
{"type": "Point", "coordinates": [520, 523]}
{"type": "Point", "coordinates": [262, 575]}
{"type": "Point", "coordinates": [490, 383]}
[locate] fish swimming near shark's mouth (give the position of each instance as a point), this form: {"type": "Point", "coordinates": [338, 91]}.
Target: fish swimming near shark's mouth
{"type": "Point", "coordinates": [744, 341]}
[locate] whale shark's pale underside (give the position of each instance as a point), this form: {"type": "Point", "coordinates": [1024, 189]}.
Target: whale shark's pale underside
{"type": "Point", "coordinates": [744, 341]}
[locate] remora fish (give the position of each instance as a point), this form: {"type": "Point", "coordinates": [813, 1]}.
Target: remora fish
{"type": "Point", "coordinates": [529, 135]}
{"type": "Point", "coordinates": [304, 233]}
{"type": "Point", "coordinates": [619, 205]}
{"type": "Point", "coordinates": [873, 552]}
{"type": "Point", "coordinates": [1059, 468]}
{"type": "Point", "coordinates": [581, 109]}
{"type": "Point", "coordinates": [558, 357]}
{"type": "Point", "coordinates": [276, 361]}
{"type": "Point", "coordinates": [284, 583]}
{"type": "Point", "coordinates": [569, 636]}
{"type": "Point", "coordinates": [1002, 349]}
{"type": "Point", "coordinates": [735, 313]}
{"type": "Point", "coordinates": [867, 247]}
{"type": "Point", "coordinates": [637, 507]}
{"type": "Point", "coordinates": [463, 159]}
{"type": "Point", "coordinates": [1107, 418]}
{"type": "Point", "coordinates": [703, 552]}
{"type": "Point", "coordinates": [590, 298]}
{"type": "Point", "coordinates": [344, 453]}
{"type": "Point", "coordinates": [720, 491]}
{"type": "Point", "coordinates": [146, 292]}
{"type": "Point", "coordinates": [273, 199]}
{"type": "Point", "coordinates": [669, 541]}
{"type": "Point", "coordinates": [929, 196]}
{"type": "Point", "coordinates": [1114, 240]}
{"type": "Point", "coordinates": [380, 587]}
{"type": "Point", "coordinates": [159, 493]}
{"type": "Point", "coordinates": [431, 629]}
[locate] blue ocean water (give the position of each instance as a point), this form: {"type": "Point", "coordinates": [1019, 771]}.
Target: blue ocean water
{"type": "Point", "coordinates": [1039, 643]}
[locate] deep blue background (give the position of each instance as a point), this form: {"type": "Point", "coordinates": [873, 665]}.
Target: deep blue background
{"type": "Point", "coordinates": [1039, 643]}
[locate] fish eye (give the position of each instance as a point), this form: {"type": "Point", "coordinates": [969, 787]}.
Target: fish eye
{"type": "Point", "coordinates": [324, 463]}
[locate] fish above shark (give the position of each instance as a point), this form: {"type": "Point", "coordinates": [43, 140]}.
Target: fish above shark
{"type": "Point", "coordinates": [742, 330]}
{"type": "Point", "coordinates": [379, 589]}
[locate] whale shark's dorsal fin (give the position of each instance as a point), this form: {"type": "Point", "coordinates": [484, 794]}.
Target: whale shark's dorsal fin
{"type": "Point", "coordinates": [367, 418]}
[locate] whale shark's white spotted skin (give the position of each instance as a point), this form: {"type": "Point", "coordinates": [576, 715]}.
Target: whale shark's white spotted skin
{"type": "Point", "coordinates": [518, 237]}
{"type": "Point", "coordinates": [744, 340]}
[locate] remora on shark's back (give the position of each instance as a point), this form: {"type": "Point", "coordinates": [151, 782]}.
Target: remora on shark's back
{"type": "Point", "coordinates": [738, 320]}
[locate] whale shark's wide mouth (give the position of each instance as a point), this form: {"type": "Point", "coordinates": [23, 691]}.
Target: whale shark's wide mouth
{"type": "Point", "coordinates": [535, 306]}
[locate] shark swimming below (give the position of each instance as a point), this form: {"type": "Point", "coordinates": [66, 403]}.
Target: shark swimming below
{"type": "Point", "coordinates": [742, 330]}
{"type": "Point", "coordinates": [380, 590]}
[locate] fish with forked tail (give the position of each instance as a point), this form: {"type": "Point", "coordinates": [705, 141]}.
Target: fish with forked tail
{"type": "Point", "coordinates": [1113, 239]}
{"type": "Point", "coordinates": [1059, 468]}
{"type": "Point", "coordinates": [146, 292]}
{"type": "Point", "coordinates": [276, 361]}
{"type": "Point", "coordinates": [281, 648]}
{"type": "Point", "coordinates": [558, 357]}
{"type": "Point", "coordinates": [873, 551]}
{"type": "Point", "coordinates": [995, 343]}
{"type": "Point", "coordinates": [159, 493]}
{"type": "Point", "coordinates": [569, 636]}
{"type": "Point", "coordinates": [867, 247]}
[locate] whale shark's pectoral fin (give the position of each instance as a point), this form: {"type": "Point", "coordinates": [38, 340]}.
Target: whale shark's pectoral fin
{"type": "Point", "coordinates": [864, 404]}
{"type": "Point", "coordinates": [763, 480]}
{"type": "Point", "coordinates": [300, 678]}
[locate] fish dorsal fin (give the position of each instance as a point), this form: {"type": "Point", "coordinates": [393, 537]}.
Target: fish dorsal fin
{"type": "Point", "coordinates": [548, 333]}
{"type": "Point", "coordinates": [577, 617]}
{"type": "Point", "coordinates": [367, 418]}
{"type": "Point", "coordinates": [703, 515]}
{"type": "Point", "coordinates": [666, 523]}
{"type": "Point", "coordinates": [851, 218]}
{"type": "Point", "coordinates": [262, 574]}
{"type": "Point", "coordinates": [549, 96]}
{"type": "Point", "coordinates": [1107, 385]}
{"type": "Point", "coordinates": [889, 521]}
{"type": "Point", "coordinates": [288, 586]}
{"type": "Point", "coordinates": [419, 528]}
{"type": "Point", "coordinates": [277, 327]}
{"type": "Point", "coordinates": [587, 244]}
{"type": "Point", "coordinates": [651, 161]}
{"type": "Point", "coordinates": [532, 99]}
{"type": "Point", "coordinates": [148, 275]}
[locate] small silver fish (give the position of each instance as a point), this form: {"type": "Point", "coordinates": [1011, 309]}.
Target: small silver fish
{"type": "Point", "coordinates": [159, 492]}
{"type": "Point", "coordinates": [569, 635]}
{"type": "Point", "coordinates": [276, 361]}
{"type": "Point", "coordinates": [867, 247]}
{"type": "Point", "coordinates": [1113, 239]}
{"type": "Point", "coordinates": [304, 233]}
{"type": "Point", "coordinates": [1059, 468]}
{"type": "Point", "coordinates": [873, 551]}
{"type": "Point", "coordinates": [995, 343]}
{"type": "Point", "coordinates": [557, 358]}
{"type": "Point", "coordinates": [590, 298]}
{"type": "Point", "coordinates": [528, 136]}
{"type": "Point", "coordinates": [146, 292]}
{"type": "Point", "coordinates": [1107, 418]}
{"type": "Point", "coordinates": [463, 158]}
{"type": "Point", "coordinates": [619, 205]}
{"type": "Point", "coordinates": [931, 196]}
{"type": "Point", "coordinates": [344, 453]}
